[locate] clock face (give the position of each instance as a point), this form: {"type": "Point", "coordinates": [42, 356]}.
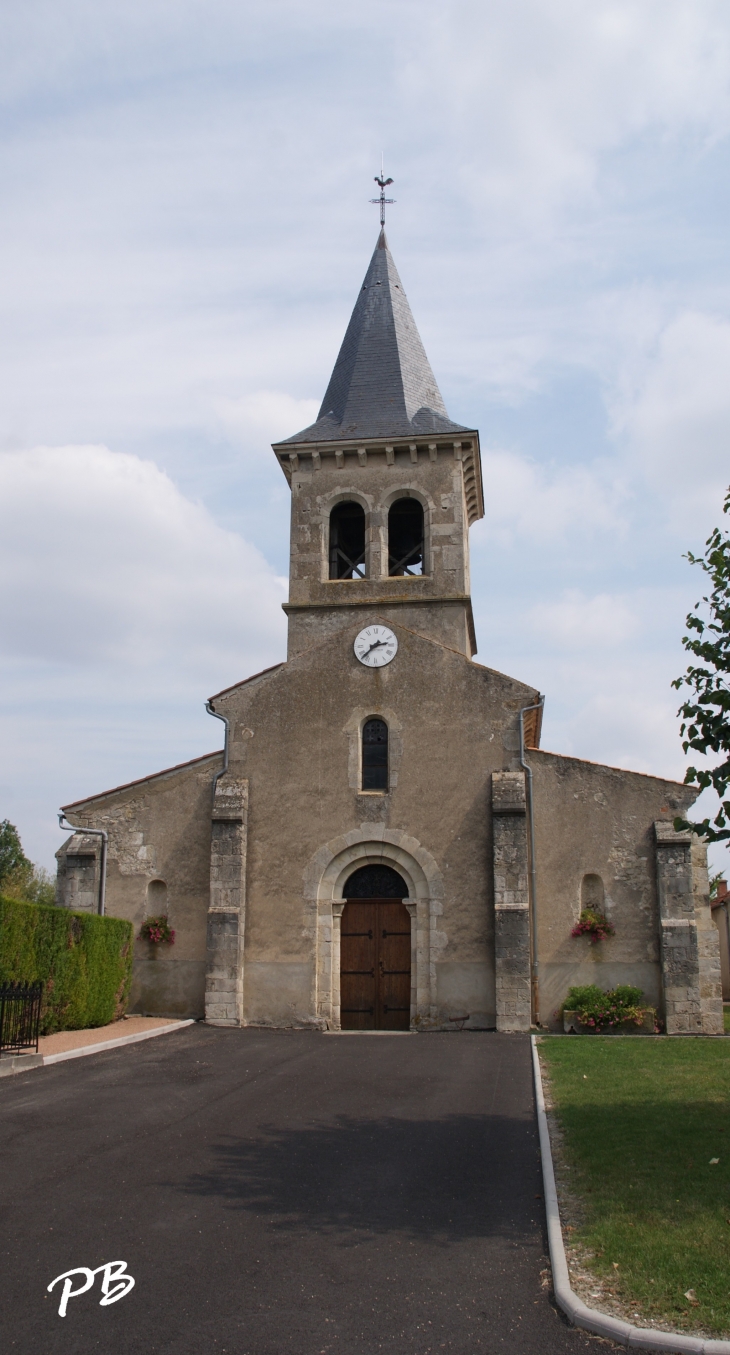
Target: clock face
{"type": "Point", "coordinates": [376, 646]}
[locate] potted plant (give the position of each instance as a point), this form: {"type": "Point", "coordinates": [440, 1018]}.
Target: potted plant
{"type": "Point", "coordinates": [157, 931]}
{"type": "Point", "coordinates": [594, 924]}
{"type": "Point", "coordinates": [588, 1010]}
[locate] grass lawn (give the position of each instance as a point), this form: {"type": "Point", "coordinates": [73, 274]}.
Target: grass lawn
{"type": "Point", "coordinates": [642, 1120]}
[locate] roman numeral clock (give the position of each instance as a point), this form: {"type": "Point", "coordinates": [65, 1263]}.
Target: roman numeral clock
{"type": "Point", "coordinates": [375, 646]}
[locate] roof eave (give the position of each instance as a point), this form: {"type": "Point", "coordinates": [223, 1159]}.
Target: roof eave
{"type": "Point", "coordinates": [289, 455]}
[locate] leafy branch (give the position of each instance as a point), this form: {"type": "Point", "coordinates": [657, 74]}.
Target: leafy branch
{"type": "Point", "coordinates": [705, 716]}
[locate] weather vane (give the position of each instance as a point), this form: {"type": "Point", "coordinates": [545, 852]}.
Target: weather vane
{"type": "Point", "coordinates": [382, 183]}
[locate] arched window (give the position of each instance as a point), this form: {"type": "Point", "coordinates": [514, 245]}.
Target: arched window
{"type": "Point", "coordinates": [405, 537]}
{"type": "Point", "coordinates": [375, 882]}
{"type": "Point", "coordinates": [375, 755]}
{"type": "Point", "coordinates": [592, 893]}
{"type": "Point", "coordinates": [347, 541]}
{"type": "Point", "coordinates": [156, 897]}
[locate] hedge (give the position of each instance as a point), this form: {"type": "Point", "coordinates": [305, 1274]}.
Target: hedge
{"type": "Point", "coordinates": [84, 961]}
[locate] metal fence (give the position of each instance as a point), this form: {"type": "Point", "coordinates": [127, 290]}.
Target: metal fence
{"type": "Point", "coordinates": [20, 1014]}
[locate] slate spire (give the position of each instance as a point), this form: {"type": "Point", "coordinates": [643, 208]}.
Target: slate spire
{"type": "Point", "coordinates": [382, 384]}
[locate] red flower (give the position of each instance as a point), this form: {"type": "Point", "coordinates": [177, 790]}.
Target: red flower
{"type": "Point", "coordinates": [156, 930]}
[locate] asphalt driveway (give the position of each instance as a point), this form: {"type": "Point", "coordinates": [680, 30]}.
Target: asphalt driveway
{"type": "Point", "coordinates": [278, 1193]}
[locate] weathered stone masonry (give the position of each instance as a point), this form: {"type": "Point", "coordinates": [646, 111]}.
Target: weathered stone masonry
{"type": "Point", "coordinates": [511, 901]}
{"type": "Point", "coordinates": [690, 962]}
{"type": "Point", "coordinates": [227, 910]}
{"type": "Point", "coordinates": [178, 840]}
{"type": "Point", "coordinates": [77, 884]}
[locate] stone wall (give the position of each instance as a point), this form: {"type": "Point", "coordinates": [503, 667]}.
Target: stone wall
{"type": "Point", "coordinates": [594, 825]}
{"type": "Point", "coordinates": [227, 907]}
{"type": "Point", "coordinates": [511, 901]}
{"type": "Point", "coordinates": [690, 944]}
{"type": "Point", "coordinates": [435, 603]}
{"type": "Point", "coordinates": [251, 879]}
{"type": "Point", "coordinates": [295, 737]}
{"type": "Point", "coordinates": [158, 859]}
{"type": "Point", "coordinates": [77, 879]}
{"type": "Point", "coordinates": [679, 949]}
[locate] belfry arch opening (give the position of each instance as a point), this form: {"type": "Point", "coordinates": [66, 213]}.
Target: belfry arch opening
{"type": "Point", "coordinates": [406, 538]}
{"type": "Point", "coordinates": [375, 951]}
{"type": "Point", "coordinates": [347, 541]}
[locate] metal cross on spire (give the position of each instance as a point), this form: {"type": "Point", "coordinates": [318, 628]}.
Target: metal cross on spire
{"type": "Point", "coordinates": [382, 183]}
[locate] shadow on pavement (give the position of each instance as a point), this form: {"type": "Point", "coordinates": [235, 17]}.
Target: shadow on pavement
{"type": "Point", "coordinates": [385, 1174]}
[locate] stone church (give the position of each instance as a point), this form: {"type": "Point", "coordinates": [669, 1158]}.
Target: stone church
{"type": "Point", "coordinates": [382, 844]}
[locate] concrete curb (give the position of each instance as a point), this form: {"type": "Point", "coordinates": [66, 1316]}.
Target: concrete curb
{"type": "Point", "coordinates": [19, 1063]}
{"type": "Point", "coordinates": [22, 1063]}
{"type": "Point", "coordinates": [624, 1333]}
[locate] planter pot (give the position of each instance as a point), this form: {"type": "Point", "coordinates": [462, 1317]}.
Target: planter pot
{"type": "Point", "coordinates": [572, 1025]}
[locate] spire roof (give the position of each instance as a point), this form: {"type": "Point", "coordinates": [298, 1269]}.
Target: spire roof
{"type": "Point", "coordinates": [382, 384]}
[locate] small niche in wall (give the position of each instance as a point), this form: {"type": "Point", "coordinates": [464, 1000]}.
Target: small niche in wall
{"type": "Point", "coordinates": [156, 898]}
{"type": "Point", "coordinates": [592, 893]}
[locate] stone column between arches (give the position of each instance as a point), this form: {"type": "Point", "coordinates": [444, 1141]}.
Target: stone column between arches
{"type": "Point", "coordinates": [325, 878]}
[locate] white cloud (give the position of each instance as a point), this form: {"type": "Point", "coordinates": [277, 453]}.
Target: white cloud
{"type": "Point", "coordinates": [679, 420]}
{"type": "Point", "coordinates": [540, 90]}
{"type": "Point", "coordinates": [105, 562]}
{"type": "Point", "coordinates": [123, 605]}
{"type": "Point", "coordinates": [266, 415]}
{"type": "Point", "coordinates": [585, 623]}
{"type": "Point", "coordinates": [185, 225]}
{"type": "Point", "coordinates": [524, 499]}
{"type": "Point", "coordinates": [624, 724]}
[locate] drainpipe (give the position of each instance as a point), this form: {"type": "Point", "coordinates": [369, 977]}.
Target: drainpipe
{"type": "Point", "coordinates": [91, 832]}
{"type": "Point", "coordinates": [224, 768]}
{"type": "Point", "coordinates": [534, 967]}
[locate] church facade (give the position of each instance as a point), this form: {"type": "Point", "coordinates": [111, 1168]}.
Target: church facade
{"type": "Point", "coordinates": [382, 844]}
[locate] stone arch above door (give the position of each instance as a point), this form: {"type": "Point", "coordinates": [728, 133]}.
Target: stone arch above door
{"type": "Point", "coordinates": [324, 880]}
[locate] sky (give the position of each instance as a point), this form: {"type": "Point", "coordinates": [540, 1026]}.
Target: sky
{"type": "Point", "coordinates": [185, 224]}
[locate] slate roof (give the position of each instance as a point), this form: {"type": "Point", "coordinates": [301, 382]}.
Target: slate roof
{"type": "Point", "coordinates": [382, 384]}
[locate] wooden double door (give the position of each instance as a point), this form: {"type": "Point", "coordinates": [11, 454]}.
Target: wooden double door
{"type": "Point", "coordinates": [375, 965]}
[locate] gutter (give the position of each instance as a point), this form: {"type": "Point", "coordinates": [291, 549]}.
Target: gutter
{"type": "Point", "coordinates": [216, 714]}
{"type": "Point", "coordinates": [600, 1324]}
{"type": "Point", "coordinates": [534, 958]}
{"type": "Point", "coordinates": [91, 832]}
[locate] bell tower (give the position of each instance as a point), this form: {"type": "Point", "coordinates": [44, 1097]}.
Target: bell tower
{"type": "Point", "coordinates": [384, 485]}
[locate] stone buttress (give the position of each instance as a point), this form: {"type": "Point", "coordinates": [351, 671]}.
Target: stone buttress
{"type": "Point", "coordinates": [511, 901]}
{"type": "Point", "coordinates": [227, 909]}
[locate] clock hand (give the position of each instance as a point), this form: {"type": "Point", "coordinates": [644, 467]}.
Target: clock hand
{"type": "Point", "coordinates": [376, 644]}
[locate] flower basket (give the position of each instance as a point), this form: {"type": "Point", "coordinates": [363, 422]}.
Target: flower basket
{"type": "Point", "coordinates": [573, 1025]}
{"type": "Point", "coordinates": [593, 924]}
{"type": "Point", "coordinates": [588, 1010]}
{"type": "Point", "coordinates": [157, 931]}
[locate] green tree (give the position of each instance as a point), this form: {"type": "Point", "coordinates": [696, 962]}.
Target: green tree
{"type": "Point", "coordinates": [13, 860]}
{"type": "Point", "coordinates": [706, 713]}
{"type": "Point", "coordinates": [19, 878]}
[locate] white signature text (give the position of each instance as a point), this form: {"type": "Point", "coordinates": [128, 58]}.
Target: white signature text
{"type": "Point", "coordinates": [115, 1283]}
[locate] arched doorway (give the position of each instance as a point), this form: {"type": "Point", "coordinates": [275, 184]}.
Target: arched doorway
{"type": "Point", "coordinates": [375, 951]}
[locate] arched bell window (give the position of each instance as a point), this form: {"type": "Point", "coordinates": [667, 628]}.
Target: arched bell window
{"type": "Point", "coordinates": [375, 755]}
{"type": "Point", "coordinates": [405, 538]}
{"type": "Point", "coordinates": [347, 541]}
